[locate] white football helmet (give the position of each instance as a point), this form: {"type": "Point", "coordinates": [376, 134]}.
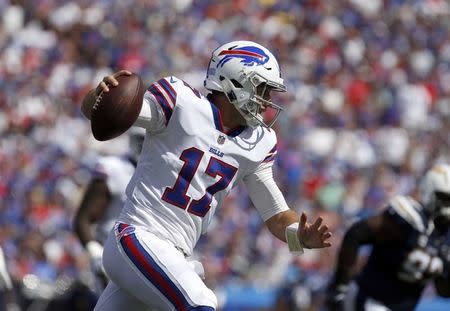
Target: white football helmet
{"type": "Point", "coordinates": [435, 191]}
{"type": "Point", "coordinates": [244, 71]}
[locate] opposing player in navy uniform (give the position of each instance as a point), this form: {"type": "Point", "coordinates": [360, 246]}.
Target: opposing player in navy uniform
{"type": "Point", "coordinates": [103, 200]}
{"type": "Point", "coordinates": [411, 247]}
{"type": "Point", "coordinates": [197, 148]}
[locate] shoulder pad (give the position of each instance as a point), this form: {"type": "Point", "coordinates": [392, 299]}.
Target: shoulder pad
{"type": "Point", "coordinates": [181, 86]}
{"type": "Point", "coordinates": [410, 210]}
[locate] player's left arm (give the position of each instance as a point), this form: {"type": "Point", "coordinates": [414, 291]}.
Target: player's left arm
{"type": "Point", "coordinates": [284, 223]}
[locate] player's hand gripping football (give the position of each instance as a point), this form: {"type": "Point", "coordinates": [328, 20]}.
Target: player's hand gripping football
{"type": "Point", "coordinates": [94, 95]}
{"type": "Point", "coordinates": [109, 81]}
{"type": "Point", "coordinates": [313, 235]}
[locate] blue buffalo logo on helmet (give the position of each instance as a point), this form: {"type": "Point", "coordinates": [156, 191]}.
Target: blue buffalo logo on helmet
{"type": "Point", "coordinates": [249, 55]}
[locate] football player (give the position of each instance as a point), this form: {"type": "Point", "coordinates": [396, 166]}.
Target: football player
{"type": "Point", "coordinates": [102, 201]}
{"type": "Point", "coordinates": [411, 247]}
{"type": "Point", "coordinates": [197, 148]}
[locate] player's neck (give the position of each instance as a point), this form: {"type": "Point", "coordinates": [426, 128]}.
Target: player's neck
{"type": "Point", "coordinates": [231, 118]}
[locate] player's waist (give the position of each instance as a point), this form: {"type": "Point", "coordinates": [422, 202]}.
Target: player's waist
{"type": "Point", "coordinates": [164, 226]}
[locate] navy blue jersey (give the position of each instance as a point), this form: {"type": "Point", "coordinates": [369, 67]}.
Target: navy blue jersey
{"type": "Point", "coordinates": [397, 271]}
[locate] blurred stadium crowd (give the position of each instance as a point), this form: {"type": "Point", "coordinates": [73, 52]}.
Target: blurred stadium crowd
{"type": "Point", "coordinates": [366, 113]}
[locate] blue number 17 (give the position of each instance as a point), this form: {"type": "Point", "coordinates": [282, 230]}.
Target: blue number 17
{"type": "Point", "coordinates": [177, 195]}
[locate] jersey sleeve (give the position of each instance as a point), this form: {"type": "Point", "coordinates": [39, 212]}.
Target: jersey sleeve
{"type": "Point", "coordinates": [264, 192]}
{"type": "Point", "coordinates": [165, 95]}
{"type": "Point", "coordinates": [159, 102]}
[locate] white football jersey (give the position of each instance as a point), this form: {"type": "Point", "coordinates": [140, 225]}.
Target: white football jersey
{"type": "Point", "coordinates": [117, 172]}
{"type": "Point", "coordinates": [189, 163]}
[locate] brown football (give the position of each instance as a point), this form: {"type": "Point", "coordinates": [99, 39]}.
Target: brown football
{"type": "Point", "coordinates": [114, 112]}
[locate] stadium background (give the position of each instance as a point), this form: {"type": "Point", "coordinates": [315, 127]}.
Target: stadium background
{"type": "Point", "coordinates": [367, 112]}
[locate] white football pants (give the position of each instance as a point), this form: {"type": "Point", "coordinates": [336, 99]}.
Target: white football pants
{"type": "Point", "coordinates": [147, 273]}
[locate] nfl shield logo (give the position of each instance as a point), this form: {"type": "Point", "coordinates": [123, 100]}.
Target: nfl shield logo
{"type": "Point", "coordinates": [221, 140]}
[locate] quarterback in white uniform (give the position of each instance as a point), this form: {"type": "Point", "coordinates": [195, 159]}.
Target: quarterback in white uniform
{"type": "Point", "coordinates": [196, 150]}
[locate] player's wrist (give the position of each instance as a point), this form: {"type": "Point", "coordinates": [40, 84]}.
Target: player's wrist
{"type": "Point", "coordinates": [293, 241]}
{"type": "Point", "coordinates": [95, 249]}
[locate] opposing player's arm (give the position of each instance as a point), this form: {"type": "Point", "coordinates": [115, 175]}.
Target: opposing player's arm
{"type": "Point", "coordinates": [361, 232]}
{"type": "Point", "coordinates": [280, 220]}
{"type": "Point", "coordinates": [92, 208]}
{"type": "Point", "coordinates": [442, 285]}
{"type": "Point", "coordinates": [377, 229]}
{"type": "Point", "coordinates": [372, 230]}
{"type": "Point", "coordinates": [103, 86]}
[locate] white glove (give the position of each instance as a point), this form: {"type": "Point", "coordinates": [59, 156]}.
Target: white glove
{"type": "Point", "coordinates": [95, 251]}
